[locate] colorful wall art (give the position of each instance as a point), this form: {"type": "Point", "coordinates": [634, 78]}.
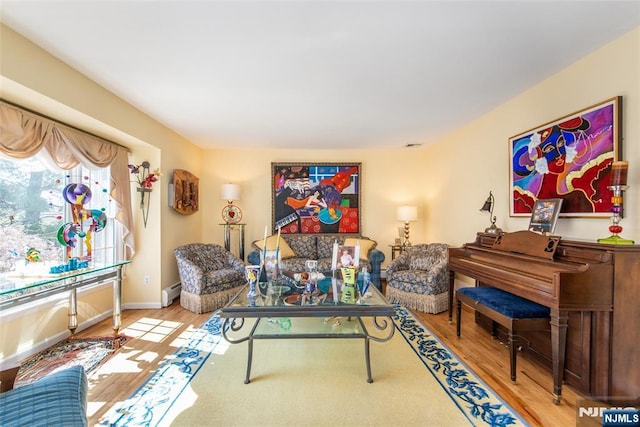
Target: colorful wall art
{"type": "Point", "coordinates": [309, 198]}
{"type": "Point", "coordinates": [570, 159]}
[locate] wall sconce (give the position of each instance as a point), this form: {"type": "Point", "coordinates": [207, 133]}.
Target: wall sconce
{"type": "Point", "coordinates": [231, 214]}
{"type": "Point", "coordinates": [407, 214]}
{"type": "Point", "coordinates": [488, 207]}
{"type": "Point", "coordinates": [145, 180]}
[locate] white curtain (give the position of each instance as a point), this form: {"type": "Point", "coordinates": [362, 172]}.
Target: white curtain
{"type": "Point", "coordinates": [23, 134]}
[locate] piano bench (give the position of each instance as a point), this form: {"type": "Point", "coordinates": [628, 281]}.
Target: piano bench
{"type": "Point", "coordinates": [516, 314]}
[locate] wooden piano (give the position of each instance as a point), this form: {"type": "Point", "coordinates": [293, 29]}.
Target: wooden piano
{"type": "Point", "coordinates": [592, 291]}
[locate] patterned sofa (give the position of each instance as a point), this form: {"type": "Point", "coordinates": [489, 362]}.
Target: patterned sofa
{"type": "Point", "coordinates": [297, 248]}
{"type": "Point", "coordinates": [58, 399]}
{"type": "Point", "coordinates": [210, 276]}
{"type": "Point", "coordinates": [419, 278]}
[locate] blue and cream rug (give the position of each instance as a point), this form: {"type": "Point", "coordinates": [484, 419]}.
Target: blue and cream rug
{"type": "Point", "coordinates": [417, 381]}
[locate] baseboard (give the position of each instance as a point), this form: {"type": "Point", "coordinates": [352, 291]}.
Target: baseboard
{"type": "Point", "coordinates": [141, 305]}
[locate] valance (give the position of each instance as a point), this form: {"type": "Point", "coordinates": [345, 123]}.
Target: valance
{"type": "Point", "coordinates": [23, 134]}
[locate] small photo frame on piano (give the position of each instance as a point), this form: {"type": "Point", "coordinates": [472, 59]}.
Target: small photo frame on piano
{"type": "Point", "coordinates": [545, 215]}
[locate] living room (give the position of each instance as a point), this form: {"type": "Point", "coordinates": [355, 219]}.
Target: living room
{"type": "Point", "coordinates": [447, 180]}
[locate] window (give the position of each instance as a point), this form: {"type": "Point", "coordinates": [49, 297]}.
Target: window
{"type": "Point", "coordinates": [37, 222]}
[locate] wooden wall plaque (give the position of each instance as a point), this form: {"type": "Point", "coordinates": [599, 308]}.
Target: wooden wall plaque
{"type": "Point", "coordinates": [185, 192]}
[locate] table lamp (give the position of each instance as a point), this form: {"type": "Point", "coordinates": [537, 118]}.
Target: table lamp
{"type": "Point", "coordinates": [488, 207]}
{"type": "Point", "coordinates": [407, 214]}
{"type": "Point", "coordinates": [231, 213]}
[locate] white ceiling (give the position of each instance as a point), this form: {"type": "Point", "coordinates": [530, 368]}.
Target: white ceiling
{"type": "Point", "coordinates": [331, 74]}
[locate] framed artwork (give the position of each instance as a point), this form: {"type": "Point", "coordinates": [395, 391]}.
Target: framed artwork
{"type": "Point", "coordinates": [185, 192]}
{"type": "Point", "coordinates": [316, 198]}
{"type": "Point", "coordinates": [545, 215]}
{"type": "Point", "coordinates": [569, 159]}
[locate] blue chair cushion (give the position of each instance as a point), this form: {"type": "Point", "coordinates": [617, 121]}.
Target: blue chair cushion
{"type": "Point", "coordinates": [59, 399]}
{"type": "Point", "coordinates": [508, 304]}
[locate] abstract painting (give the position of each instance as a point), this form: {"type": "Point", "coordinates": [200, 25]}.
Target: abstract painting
{"type": "Point", "coordinates": [569, 159]}
{"type": "Point", "coordinates": [316, 198]}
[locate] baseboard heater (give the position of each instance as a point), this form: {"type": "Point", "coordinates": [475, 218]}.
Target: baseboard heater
{"type": "Point", "coordinates": [171, 293]}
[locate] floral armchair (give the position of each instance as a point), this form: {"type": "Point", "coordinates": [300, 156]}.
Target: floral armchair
{"type": "Point", "coordinates": [210, 276]}
{"type": "Point", "coordinates": [419, 278]}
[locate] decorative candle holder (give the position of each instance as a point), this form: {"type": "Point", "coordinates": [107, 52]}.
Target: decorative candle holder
{"type": "Point", "coordinates": [616, 209]}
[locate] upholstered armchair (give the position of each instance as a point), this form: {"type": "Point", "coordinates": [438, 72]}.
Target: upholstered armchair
{"type": "Point", "coordinates": [419, 278]}
{"type": "Point", "coordinates": [210, 276]}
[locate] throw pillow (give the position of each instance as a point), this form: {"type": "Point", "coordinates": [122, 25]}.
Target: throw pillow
{"type": "Point", "coordinates": [365, 245]}
{"type": "Point", "coordinates": [285, 249]}
{"type": "Point", "coordinates": [304, 246]}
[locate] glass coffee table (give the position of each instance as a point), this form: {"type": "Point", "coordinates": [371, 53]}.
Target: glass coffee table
{"type": "Point", "coordinates": [283, 315]}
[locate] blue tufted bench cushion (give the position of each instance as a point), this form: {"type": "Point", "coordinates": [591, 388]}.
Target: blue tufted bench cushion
{"type": "Point", "coordinates": [511, 311]}
{"type": "Point", "coordinates": [505, 303]}
{"type": "Point", "coordinates": [58, 399]}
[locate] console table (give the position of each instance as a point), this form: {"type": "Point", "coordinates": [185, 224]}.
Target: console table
{"type": "Point", "coordinates": [16, 290]}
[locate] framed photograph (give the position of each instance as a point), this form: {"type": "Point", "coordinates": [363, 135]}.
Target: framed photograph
{"type": "Point", "coordinates": [316, 198]}
{"type": "Point", "coordinates": [545, 215]}
{"type": "Point", "coordinates": [569, 159]}
{"type": "Point", "coordinates": [345, 256]}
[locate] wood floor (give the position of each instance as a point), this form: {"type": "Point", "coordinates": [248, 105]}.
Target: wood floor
{"type": "Point", "coordinates": [158, 333]}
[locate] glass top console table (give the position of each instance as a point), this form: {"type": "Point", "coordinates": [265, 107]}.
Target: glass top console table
{"type": "Point", "coordinates": [20, 288]}
{"type": "Point", "coordinates": [283, 317]}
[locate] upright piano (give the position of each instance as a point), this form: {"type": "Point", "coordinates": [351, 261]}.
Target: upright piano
{"type": "Point", "coordinates": [593, 292]}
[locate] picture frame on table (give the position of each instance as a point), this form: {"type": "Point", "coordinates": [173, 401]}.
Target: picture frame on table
{"type": "Point", "coordinates": [545, 215]}
{"type": "Point", "coordinates": [569, 158]}
{"type": "Point", "coordinates": [345, 256]}
{"type": "Point", "coordinates": [270, 259]}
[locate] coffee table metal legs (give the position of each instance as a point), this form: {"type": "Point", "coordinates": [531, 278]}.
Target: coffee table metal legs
{"type": "Point", "coordinates": [380, 324]}
{"type": "Point", "coordinates": [247, 379]}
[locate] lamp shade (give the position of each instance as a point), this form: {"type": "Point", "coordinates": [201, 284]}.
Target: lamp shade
{"type": "Point", "coordinates": [407, 213]}
{"type": "Point", "coordinates": [488, 204]}
{"type": "Point", "coordinates": [230, 192]}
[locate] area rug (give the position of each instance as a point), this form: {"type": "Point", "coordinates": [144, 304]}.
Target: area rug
{"type": "Point", "coordinates": [89, 352]}
{"type": "Point", "coordinates": [417, 381]}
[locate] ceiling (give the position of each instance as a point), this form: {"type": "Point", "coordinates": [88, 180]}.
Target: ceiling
{"type": "Point", "coordinates": [330, 74]}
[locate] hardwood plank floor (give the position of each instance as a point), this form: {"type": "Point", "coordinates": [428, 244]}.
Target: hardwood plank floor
{"type": "Point", "coordinates": [158, 333]}
{"type": "Point", "coordinates": [489, 358]}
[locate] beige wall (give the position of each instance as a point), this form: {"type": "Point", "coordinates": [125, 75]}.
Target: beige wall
{"type": "Point", "coordinates": [463, 167]}
{"type": "Point", "coordinates": [32, 78]}
{"type": "Point", "coordinates": [389, 178]}
{"type": "Point", "coordinates": [448, 181]}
